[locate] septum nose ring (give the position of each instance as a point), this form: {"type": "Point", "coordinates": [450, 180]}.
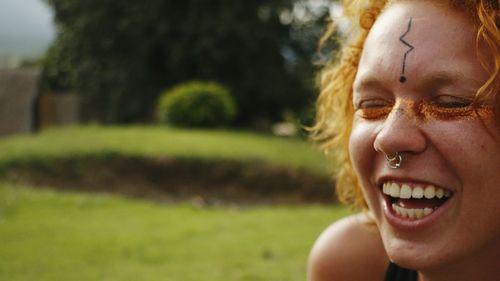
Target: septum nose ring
{"type": "Point", "coordinates": [395, 160]}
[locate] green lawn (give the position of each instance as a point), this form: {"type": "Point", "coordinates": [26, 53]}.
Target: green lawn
{"type": "Point", "coordinates": [48, 235]}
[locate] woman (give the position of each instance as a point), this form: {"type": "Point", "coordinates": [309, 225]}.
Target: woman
{"type": "Point", "coordinates": [411, 110]}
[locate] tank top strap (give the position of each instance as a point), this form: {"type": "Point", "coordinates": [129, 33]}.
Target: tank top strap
{"type": "Point", "coordinates": [397, 273]}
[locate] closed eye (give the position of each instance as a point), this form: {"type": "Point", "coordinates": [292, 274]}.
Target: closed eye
{"type": "Point", "coordinates": [447, 101]}
{"type": "Point", "coordinates": [374, 108]}
{"type": "Point", "coordinates": [373, 103]}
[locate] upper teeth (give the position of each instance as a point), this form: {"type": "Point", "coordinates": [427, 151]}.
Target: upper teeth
{"type": "Point", "coordinates": [406, 191]}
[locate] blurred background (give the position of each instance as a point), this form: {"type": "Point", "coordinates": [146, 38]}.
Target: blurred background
{"type": "Point", "coordinates": [161, 139]}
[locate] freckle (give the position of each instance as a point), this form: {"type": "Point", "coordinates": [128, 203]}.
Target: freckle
{"type": "Point", "coordinates": [402, 79]}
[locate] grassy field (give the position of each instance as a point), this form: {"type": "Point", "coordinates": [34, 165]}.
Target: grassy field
{"type": "Point", "coordinates": [50, 235]}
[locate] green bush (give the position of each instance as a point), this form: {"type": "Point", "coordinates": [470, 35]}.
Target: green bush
{"type": "Point", "coordinates": [196, 104]}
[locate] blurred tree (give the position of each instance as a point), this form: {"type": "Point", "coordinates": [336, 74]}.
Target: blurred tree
{"type": "Point", "coordinates": [120, 55]}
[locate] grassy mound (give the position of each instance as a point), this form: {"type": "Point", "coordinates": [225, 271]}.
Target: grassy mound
{"type": "Point", "coordinates": [214, 181]}
{"type": "Point", "coordinates": [169, 164]}
{"type": "Point", "coordinates": [155, 141]}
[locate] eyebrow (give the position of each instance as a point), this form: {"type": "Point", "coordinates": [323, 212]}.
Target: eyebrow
{"type": "Point", "coordinates": [370, 82]}
{"type": "Point", "coordinates": [431, 80]}
{"type": "Point", "coordinates": [443, 78]}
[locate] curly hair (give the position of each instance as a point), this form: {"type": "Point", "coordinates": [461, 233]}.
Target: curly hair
{"type": "Point", "coordinates": [334, 109]}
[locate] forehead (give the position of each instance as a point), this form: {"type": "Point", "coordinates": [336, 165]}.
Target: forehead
{"type": "Point", "coordinates": [432, 20]}
{"type": "Point", "coordinates": [443, 39]}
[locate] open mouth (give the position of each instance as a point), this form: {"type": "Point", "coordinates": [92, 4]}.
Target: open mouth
{"type": "Point", "coordinates": [414, 202]}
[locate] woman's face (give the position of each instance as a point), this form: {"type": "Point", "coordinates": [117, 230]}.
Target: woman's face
{"type": "Point", "coordinates": [444, 200]}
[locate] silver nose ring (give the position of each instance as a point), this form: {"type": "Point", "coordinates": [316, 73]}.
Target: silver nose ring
{"type": "Point", "coordinates": [394, 161]}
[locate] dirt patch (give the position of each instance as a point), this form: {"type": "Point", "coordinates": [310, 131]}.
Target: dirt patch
{"type": "Point", "coordinates": [164, 179]}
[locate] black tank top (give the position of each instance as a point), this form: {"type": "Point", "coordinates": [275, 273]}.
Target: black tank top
{"type": "Point", "coordinates": [396, 273]}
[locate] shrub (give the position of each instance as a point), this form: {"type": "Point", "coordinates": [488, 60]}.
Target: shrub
{"type": "Point", "coordinates": [196, 104]}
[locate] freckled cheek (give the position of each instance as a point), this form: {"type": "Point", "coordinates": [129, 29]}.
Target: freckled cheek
{"type": "Point", "coordinates": [361, 148]}
{"type": "Point", "coordinates": [467, 148]}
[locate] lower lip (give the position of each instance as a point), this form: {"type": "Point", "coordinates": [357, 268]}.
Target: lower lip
{"type": "Point", "coordinates": [407, 224]}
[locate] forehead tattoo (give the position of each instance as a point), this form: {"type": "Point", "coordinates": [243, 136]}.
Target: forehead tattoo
{"type": "Point", "coordinates": [402, 78]}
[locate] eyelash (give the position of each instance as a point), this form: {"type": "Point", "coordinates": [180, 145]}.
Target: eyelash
{"type": "Point", "coordinates": [373, 109]}
{"type": "Point", "coordinates": [451, 102]}
{"type": "Point", "coordinates": [373, 103]}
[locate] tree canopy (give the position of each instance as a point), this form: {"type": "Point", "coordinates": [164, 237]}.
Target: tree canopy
{"type": "Point", "coordinates": [120, 55]}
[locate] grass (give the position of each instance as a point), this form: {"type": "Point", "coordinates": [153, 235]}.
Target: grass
{"type": "Point", "coordinates": [49, 235]}
{"type": "Point", "coordinates": [156, 141]}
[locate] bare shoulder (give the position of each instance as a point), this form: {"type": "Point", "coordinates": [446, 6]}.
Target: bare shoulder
{"type": "Point", "coordinates": [349, 249]}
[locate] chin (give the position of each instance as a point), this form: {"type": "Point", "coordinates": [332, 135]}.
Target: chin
{"type": "Point", "coordinates": [416, 255]}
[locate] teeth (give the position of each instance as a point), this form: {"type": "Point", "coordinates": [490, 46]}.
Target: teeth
{"type": "Point", "coordinates": [386, 188]}
{"type": "Point", "coordinates": [411, 213]}
{"type": "Point", "coordinates": [395, 190]}
{"type": "Point", "coordinates": [417, 193]}
{"type": "Point", "coordinates": [403, 212]}
{"type": "Point", "coordinates": [430, 192]}
{"type": "Point", "coordinates": [419, 213]}
{"type": "Point", "coordinates": [404, 191]}
{"type": "Point", "coordinates": [439, 193]}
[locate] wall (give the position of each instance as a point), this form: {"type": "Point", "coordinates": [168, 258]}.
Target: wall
{"type": "Point", "coordinates": [18, 92]}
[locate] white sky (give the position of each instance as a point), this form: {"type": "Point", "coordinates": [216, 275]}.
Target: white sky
{"type": "Point", "coordinates": [25, 17]}
{"type": "Point", "coordinates": [25, 22]}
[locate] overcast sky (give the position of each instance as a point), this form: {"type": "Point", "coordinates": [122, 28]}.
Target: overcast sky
{"type": "Point", "coordinates": [25, 26]}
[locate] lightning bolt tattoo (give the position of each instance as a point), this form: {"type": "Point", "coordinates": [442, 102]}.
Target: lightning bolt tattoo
{"type": "Point", "coordinates": [402, 78]}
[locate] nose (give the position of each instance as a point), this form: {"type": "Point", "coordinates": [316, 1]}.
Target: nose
{"type": "Point", "coordinates": [401, 132]}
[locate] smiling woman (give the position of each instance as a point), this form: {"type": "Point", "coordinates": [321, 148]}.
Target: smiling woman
{"type": "Point", "coordinates": [412, 108]}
